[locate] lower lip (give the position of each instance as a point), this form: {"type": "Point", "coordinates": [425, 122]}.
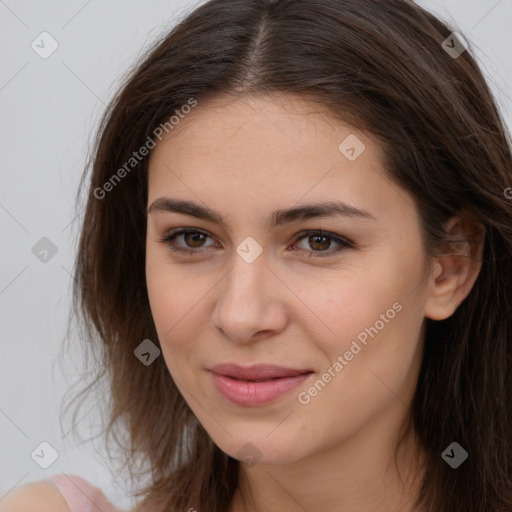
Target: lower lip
{"type": "Point", "coordinates": [246, 393]}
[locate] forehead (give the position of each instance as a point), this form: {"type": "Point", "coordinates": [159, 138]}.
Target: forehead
{"type": "Point", "coordinates": [261, 130]}
{"type": "Point", "coordinates": [269, 120]}
{"type": "Point", "coordinates": [268, 150]}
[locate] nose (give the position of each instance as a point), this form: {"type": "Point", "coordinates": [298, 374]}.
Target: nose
{"type": "Point", "coordinates": [249, 304]}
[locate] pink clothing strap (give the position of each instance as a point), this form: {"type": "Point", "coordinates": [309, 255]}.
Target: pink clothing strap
{"type": "Point", "coordinates": [81, 496]}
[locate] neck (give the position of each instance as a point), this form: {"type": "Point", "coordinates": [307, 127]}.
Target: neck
{"type": "Point", "coordinates": [360, 474]}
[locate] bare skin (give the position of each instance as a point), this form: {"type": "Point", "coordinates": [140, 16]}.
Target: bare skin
{"type": "Point", "coordinates": [334, 449]}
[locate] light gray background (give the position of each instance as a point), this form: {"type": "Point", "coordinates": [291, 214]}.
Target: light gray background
{"type": "Point", "coordinates": [49, 109]}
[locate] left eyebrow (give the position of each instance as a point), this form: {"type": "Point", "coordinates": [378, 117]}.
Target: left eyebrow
{"type": "Point", "coordinates": [276, 218]}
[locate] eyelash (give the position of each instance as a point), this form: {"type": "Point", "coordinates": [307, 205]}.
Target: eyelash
{"type": "Point", "coordinates": [344, 244]}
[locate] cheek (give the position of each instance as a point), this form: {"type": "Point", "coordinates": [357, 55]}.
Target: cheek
{"type": "Point", "coordinates": [169, 316]}
{"type": "Point", "coordinates": [376, 348]}
{"type": "Point", "coordinates": [167, 295]}
{"type": "Point", "coordinates": [169, 290]}
{"type": "Point", "coordinates": [177, 301]}
{"type": "Point", "coordinates": [372, 319]}
{"type": "Point", "coordinates": [343, 307]}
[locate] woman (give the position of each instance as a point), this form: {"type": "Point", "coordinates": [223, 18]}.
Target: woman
{"type": "Point", "coordinates": [296, 263]}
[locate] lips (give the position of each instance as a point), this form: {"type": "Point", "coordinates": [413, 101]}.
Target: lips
{"type": "Point", "coordinates": [260, 372]}
{"type": "Point", "coordinates": [256, 385]}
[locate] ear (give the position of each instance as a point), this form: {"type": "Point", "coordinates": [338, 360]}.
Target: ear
{"type": "Point", "coordinates": [456, 268]}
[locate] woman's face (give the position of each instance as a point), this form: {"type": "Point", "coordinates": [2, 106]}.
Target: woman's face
{"type": "Point", "coordinates": [343, 311]}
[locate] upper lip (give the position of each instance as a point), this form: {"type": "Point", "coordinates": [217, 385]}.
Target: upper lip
{"type": "Point", "coordinates": [256, 372]}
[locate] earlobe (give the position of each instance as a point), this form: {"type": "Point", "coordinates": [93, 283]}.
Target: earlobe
{"type": "Point", "coordinates": [456, 269]}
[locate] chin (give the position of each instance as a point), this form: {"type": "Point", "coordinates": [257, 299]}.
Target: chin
{"type": "Point", "coordinates": [261, 450]}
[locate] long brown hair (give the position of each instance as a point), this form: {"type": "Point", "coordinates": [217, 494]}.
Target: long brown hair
{"type": "Point", "coordinates": [384, 67]}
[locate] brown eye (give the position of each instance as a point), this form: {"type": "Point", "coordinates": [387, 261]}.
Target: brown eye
{"type": "Point", "coordinates": [320, 241]}
{"type": "Point", "coordinates": [193, 239]}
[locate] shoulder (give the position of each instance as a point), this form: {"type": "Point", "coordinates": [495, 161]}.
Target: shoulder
{"type": "Point", "coordinates": [60, 493]}
{"type": "Point", "coordinates": [35, 497]}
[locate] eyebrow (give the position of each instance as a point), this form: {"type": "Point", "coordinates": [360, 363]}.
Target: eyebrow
{"type": "Point", "coordinates": [276, 218]}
